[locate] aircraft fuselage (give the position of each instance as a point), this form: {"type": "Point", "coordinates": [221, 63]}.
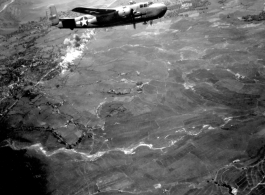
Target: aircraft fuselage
{"type": "Point", "coordinates": [142, 12]}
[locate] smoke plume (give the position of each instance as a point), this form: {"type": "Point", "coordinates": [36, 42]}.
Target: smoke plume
{"type": "Point", "coordinates": [75, 47]}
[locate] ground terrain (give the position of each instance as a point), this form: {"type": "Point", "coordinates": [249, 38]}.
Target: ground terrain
{"type": "Point", "coordinates": [174, 108]}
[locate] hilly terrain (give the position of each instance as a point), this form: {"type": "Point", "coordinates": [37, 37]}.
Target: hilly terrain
{"type": "Point", "coordinates": [176, 108]}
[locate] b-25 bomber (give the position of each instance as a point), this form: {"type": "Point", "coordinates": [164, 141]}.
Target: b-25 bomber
{"type": "Point", "coordinates": [109, 17]}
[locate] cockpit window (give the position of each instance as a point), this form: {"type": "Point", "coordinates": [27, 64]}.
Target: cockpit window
{"type": "Point", "coordinates": [145, 5]}
{"type": "Point", "coordinates": [150, 3]}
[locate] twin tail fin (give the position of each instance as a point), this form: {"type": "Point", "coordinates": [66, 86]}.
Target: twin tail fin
{"type": "Point", "coordinates": [53, 16]}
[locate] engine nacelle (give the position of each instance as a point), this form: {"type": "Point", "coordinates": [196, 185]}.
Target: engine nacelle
{"type": "Point", "coordinates": [124, 12]}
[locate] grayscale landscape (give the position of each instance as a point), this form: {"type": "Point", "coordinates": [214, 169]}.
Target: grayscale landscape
{"type": "Point", "coordinates": [174, 108]}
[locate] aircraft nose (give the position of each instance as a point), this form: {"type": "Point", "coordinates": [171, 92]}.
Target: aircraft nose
{"type": "Point", "coordinates": [162, 8]}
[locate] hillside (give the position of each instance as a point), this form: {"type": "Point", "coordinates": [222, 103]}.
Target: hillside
{"type": "Point", "coordinates": [176, 108]}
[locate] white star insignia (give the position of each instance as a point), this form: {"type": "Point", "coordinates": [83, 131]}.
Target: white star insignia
{"type": "Point", "coordinates": [83, 21]}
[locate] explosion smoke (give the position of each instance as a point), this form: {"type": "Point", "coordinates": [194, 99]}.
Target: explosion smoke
{"type": "Point", "coordinates": [75, 48]}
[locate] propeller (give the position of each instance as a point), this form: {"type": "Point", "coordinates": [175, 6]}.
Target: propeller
{"type": "Point", "coordinates": [133, 18]}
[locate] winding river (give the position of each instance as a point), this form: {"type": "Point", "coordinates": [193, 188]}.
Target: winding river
{"type": "Point", "coordinates": [6, 4]}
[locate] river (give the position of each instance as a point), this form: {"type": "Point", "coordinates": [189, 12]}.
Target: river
{"type": "Point", "coordinates": [6, 4]}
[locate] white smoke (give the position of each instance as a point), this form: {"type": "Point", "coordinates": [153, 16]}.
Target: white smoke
{"type": "Point", "coordinates": [75, 47]}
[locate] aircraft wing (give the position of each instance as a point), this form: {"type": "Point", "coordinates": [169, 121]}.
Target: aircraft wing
{"type": "Point", "coordinates": [93, 11]}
